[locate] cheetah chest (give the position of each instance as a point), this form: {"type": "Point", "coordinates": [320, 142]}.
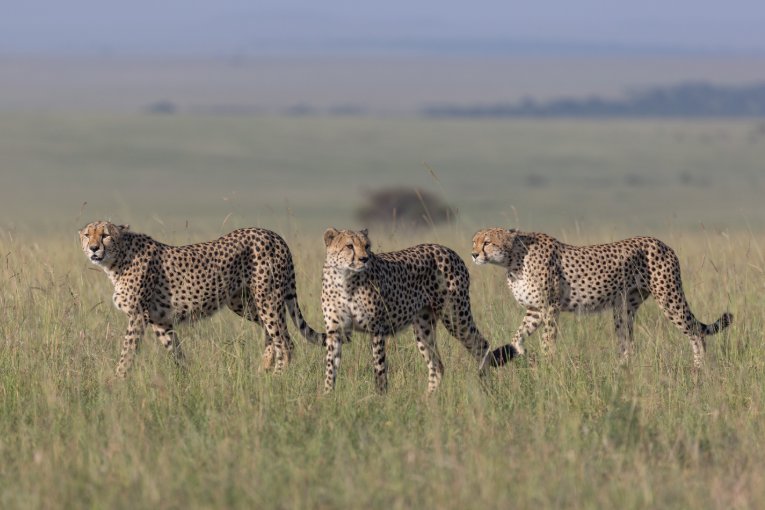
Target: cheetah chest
{"type": "Point", "coordinates": [524, 291]}
{"type": "Point", "coordinates": [354, 306]}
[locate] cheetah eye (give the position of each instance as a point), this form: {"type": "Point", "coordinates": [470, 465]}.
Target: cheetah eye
{"type": "Point", "coordinates": [349, 246]}
{"type": "Point", "coordinates": [367, 246]}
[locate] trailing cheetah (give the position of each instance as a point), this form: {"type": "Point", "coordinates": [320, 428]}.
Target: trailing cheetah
{"type": "Point", "coordinates": [547, 277]}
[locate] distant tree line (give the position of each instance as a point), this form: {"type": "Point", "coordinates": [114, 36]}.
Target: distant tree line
{"type": "Point", "coordinates": [684, 100]}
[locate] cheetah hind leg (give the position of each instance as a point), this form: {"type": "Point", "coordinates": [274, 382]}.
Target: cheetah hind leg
{"type": "Point", "coordinates": [549, 330]}
{"type": "Point", "coordinates": [268, 357]}
{"type": "Point", "coordinates": [169, 340]}
{"type": "Point", "coordinates": [274, 321]}
{"type": "Point", "coordinates": [682, 317]}
{"type": "Point", "coordinates": [244, 306]}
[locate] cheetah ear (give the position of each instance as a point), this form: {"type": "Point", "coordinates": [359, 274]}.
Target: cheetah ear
{"type": "Point", "coordinates": [113, 230]}
{"type": "Point", "coordinates": [329, 235]}
{"type": "Point", "coordinates": [123, 227]}
{"type": "Point", "coordinates": [364, 232]}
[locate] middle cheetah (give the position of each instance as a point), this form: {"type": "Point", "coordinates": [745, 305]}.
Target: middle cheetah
{"type": "Point", "coordinates": [381, 293]}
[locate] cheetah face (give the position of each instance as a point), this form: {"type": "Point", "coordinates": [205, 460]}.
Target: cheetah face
{"type": "Point", "coordinates": [489, 246]}
{"type": "Point", "coordinates": [347, 250]}
{"type": "Point", "coordinates": [100, 241]}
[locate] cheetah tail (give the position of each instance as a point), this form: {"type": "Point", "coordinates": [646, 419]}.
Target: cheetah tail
{"type": "Point", "coordinates": [307, 331]}
{"type": "Point", "coordinates": [500, 356]}
{"type": "Point", "coordinates": [719, 325]}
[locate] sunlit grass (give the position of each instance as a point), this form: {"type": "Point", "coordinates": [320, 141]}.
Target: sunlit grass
{"type": "Point", "coordinates": [571, 430]}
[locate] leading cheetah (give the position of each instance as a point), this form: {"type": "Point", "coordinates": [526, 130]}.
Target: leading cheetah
{"type": "Point", "coordinates": [548, 276]}
{"type": "Point", "coordinates": [381, 293]}
{"type": "Point", "coordinates": [249, 270]}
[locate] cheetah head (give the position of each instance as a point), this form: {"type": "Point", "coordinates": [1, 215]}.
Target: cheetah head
{"type": "Point", "coordinates": [493, 246]}
{"type": "Point", "coordinates": [100, 241]}
{"type": "Point", "coordinates": [347, 249]}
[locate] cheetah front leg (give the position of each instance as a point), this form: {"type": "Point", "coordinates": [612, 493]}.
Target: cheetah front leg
{"type": "Point", "coordinates": [169, 340]}
{"type": "Point", "coordinates": [529, 325]}
{"type": "Point", "coordinates": [135, 330]}
{"type": "Point", "coordinates": [380, 363]}
{"type": "Point", "coordinates": [334, 348]}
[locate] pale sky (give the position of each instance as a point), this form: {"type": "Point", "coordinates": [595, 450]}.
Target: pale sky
{"type": "Point", "coordinates": [239, 26]}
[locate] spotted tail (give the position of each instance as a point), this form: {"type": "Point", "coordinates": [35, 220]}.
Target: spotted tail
{"type": "Point", "coordinates": [498, 357]}
{"type": "Point", "coordinates": [307, 331]}
{"type": "Point", "coordinates": [719, 325]}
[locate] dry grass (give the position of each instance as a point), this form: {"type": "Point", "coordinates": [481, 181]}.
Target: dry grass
{"type": "Point", "coordinates": [572, 430]}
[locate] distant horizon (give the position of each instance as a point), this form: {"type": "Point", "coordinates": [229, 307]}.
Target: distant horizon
{"type": "Point", "coordinates": [379, 85]}
{"type": "Point", "coordinates": [397, 47]}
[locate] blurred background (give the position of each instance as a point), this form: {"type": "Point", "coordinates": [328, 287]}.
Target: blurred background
{"type": "Point", "coordinates": [631, 117]}
{"type": "Point", "coordinates": [591, 120]}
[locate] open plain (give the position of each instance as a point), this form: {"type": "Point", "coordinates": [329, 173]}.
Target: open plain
{"type": "Point", "coordinates": [572, 430]}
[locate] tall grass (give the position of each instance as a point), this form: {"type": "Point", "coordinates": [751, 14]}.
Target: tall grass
{"type": "Point", "coordinates": [572, 430]}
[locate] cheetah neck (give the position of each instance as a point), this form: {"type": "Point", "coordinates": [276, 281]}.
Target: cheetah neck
{"type": "Point", "coordinates": [131, 245]}
{"type": "Point", "coordinates": [345, 278]}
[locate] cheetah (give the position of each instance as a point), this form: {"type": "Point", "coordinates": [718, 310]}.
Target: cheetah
{"type": "Point", "coordinates": [249, 270]}
{"type": "Point", "coordinates": [547, 276]}
{"type": "Point", "coordinates": [381, 293]}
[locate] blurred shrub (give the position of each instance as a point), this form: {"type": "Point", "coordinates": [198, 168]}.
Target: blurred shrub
{"type": "Point", "coordinates": [163, 107]}
{"type": "Point", "coordinates": [405, 207]}
{"type": "Point", "coordinates": [535, 180]}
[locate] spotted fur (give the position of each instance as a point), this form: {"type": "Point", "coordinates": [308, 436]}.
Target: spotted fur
{"type": "Point", "coordinates": [381, 294]}
{"type": "Point", "coordinates": [249, 270]}
{"type": "Point", "coordinates": [547, 276]}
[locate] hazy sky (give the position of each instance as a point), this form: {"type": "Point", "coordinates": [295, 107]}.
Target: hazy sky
{"type": "Point", "coordinates": [239, 26]}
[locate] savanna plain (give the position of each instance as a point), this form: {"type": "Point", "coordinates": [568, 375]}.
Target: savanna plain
{"type": "Point", "coordinates": [570, 430]}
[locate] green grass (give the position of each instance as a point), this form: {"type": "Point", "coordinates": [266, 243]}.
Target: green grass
{"type": "Point", "coordinates": [573, 430]}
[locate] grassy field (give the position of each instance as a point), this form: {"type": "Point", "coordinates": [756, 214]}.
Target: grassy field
{"type": "Point", "coordinates": [573, 430]}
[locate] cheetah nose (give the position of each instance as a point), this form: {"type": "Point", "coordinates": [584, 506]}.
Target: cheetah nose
{"type": "Point", "coordinates": [93, 248]}
{"type": "Point", "coordinates": [363, 260]}
{"type": "Point", "coordinates": [474, 255]}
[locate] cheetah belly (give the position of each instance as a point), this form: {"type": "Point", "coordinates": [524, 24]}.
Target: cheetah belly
{"type": "Point", "coordinates": [580, 299]}
{"type": "Point", "coordinates": [195, 295]}
{"type": "Point", "coordinates": [370, 312]}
